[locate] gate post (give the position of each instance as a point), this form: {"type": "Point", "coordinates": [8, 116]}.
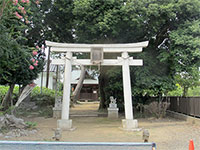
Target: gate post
{"type": "Point", "coordinates": [128, 123]}
{"type": "Point", "coordinates": [65, 123]}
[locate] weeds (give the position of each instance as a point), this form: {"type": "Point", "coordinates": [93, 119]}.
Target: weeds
{"type": "Point", "coordinates": [31, 125]}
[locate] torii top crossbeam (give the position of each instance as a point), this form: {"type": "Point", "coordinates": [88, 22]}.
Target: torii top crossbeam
{"type": "Point", "coordinates": [107, 48]}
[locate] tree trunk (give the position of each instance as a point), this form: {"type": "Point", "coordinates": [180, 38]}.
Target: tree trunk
{"type": "Point", "coordinates": [102, 92]}
{"type": "Point", "coordinates": [7, 99]}
{"type": "Point", "coordinates": [21, 88]}
{"type": "Point", "coordinates": [79, 85]}
{"type": "Point", "coordinates": [4, 4]}
{"type": "Point", "coordinates": [185, 90]}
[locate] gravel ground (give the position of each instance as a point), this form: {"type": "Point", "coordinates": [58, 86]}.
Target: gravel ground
{"type": "Point", "coordinates": [168, 133]}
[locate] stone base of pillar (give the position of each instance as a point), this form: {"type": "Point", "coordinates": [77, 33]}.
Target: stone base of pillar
{"type": "Point", "coordinates": [57, 113]}
{"type": "Point", "coordinates": [130, 124]}
{"type": "Point", "coordinates": [113, 112]}
{"type": "Point", "coordinates": [64, 124]}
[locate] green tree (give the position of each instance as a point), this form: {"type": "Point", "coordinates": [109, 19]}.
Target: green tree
{"type": "Point", "coordinates": [186, 51]}
{"type": "Point", "coordinates": [126, 21]}
{"type": "Point", "coordinates": [19, 64]}
{"type": "Point", "coordinates": [133, 21]}
{"type": "Point", "coordinates": [58, 20]}
{"type": "Point", "coordinates": [188, 80]}
{"type": "Point", "coordinates": [194, 91]}
{"type": "Point", "coordinates": [176, 92]}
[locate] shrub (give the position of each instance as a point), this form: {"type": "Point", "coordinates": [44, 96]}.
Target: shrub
{"type": "Point", "coordinates": [177, 92]}
{"type": "Point", "coordinates": [157, 109]}
{"type": "Point", "coordinates": [4, 90]}
{"type": "Point", "coordinates": [46, 98]}
{"type": "Point", "coordinates": [43, 99]}
{"type": "Point", "coordinates": [194, 91]}
{"type": "Point", "coordinates": [46, 112]}
{"type": "Point", "coordinates": [46, 91]}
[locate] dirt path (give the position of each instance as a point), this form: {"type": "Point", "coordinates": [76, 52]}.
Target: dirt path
{"type": "Point", "coordinates": [168, 134]}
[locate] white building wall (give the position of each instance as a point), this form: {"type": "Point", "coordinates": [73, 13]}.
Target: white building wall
{"type": "Point", "coordinates": [38, 80]}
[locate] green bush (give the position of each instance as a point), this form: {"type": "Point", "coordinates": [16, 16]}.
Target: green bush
{"type": "Point", "coordinates": [4, 90]}
{"type": "Point", "coordinates": [43, 99]}
{"type": "Point", "coordinates": [177, 92]}
{"type": "Point", "coordinates": [46, 98]}
{"type": "Point", "coordinates": [194, 91]}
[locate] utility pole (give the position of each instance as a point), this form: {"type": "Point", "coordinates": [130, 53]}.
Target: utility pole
{"type": "Point", "coordinates": [48, 65]}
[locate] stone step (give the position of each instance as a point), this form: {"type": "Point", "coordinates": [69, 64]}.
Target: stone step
{"type": "Point", "coordinates": [85, 115]}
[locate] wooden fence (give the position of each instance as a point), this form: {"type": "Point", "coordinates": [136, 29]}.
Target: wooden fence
{"type": "Point", "coordinates": [185, 105]}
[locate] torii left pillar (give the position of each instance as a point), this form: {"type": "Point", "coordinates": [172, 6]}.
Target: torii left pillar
{"type": "Point", "coordinates": [65, 123]}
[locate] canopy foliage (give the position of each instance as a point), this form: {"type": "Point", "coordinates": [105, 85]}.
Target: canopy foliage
{"type": "Point", "coordinates": [171, 26]}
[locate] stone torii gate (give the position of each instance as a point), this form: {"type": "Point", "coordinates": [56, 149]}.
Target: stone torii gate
{"type": "Point", "coordinates": [125, 61]}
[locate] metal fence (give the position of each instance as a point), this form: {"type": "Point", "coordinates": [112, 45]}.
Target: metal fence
{"type": "Point", "coordinates": [185, 105]}
{"type": "Point", "coordinates": [25, 145]}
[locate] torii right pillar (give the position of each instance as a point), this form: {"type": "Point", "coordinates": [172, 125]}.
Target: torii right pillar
{"type": "Point", "coordinates": [129, 123]}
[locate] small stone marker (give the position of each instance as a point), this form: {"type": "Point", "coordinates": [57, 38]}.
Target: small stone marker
{"type": "Point", "coordinates": [113, 110]}
{"type": "Point", "coordinates": [145, 136]}
{"type": "Point", "coordinates": [57, 108]}
{"type": "Point", "coordinates": [58, 134]}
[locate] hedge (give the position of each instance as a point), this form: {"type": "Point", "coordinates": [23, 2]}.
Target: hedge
{"type": "Point", "coordinates": [47, 96]}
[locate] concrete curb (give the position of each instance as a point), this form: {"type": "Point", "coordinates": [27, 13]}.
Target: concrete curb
{"type": "Point", "coordinates": [184, 117]}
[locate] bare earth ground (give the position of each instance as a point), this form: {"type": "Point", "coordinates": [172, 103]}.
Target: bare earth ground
{"type": "Point", "coordinates": [168, 133]}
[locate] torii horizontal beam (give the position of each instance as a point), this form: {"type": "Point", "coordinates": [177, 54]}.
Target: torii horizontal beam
{"type": "Point", "coordinates": [107, 48]}
{"type": "Point", "coordinates": [106, 62]}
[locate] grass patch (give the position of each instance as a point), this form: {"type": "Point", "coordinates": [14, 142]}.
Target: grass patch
{"type": "Point", "coordinates": [31, 125]}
